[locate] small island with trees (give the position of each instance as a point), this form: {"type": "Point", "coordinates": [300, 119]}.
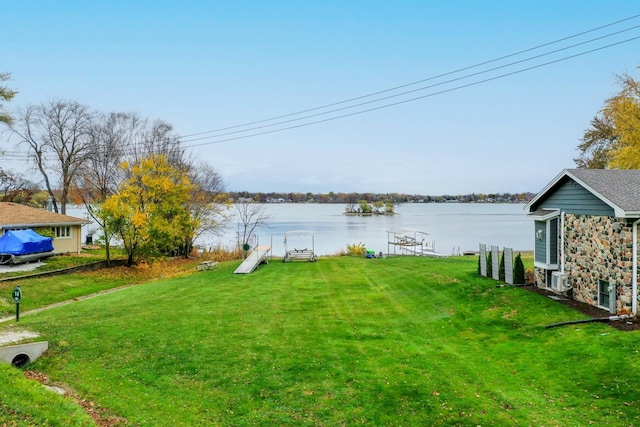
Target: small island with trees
{"type": "Point", "coordinates": [364, 208]}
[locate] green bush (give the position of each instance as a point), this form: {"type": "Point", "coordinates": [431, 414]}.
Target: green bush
{"type": "Point", "coordinates": [45, 231]}
{"type": "Point", "coordinates": [489, 265]}
{"type": "Point", "coordinates": [501, 274]}
{"type": "Point", "coordinates": [518, 271]}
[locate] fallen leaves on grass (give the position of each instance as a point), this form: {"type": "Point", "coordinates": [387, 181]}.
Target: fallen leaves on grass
{"type": "Point", "coordinates": [148, 271]}
{"type": "Point", "coordinates": [100, 415]}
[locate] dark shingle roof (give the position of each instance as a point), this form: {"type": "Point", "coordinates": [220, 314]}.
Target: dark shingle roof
{"type": "Point", "coordinates": [620, 187]}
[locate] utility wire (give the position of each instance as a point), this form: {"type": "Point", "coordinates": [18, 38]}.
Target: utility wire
{"type": "Point", "coordinates": [415, 82]}
{"type": "Point", "coordinates": [411, 99]}
{"type": "Point", "coordinates": [192, 137]}
{"type": "Point", "coordinates": [413, 90]}
{"type": "Point", "coordinates": [489, 79]}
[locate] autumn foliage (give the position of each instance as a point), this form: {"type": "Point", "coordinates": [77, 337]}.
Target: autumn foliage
{"type": "Point", "coordinates": [149, 213]}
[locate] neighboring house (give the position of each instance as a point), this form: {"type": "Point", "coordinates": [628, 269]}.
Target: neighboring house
{"type": "Point", "coordinates": [65, 229]}
{"type": "Point", "coordinates": [586, 237]}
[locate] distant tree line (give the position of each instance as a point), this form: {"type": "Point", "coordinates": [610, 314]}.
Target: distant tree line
{"type": "Point", "coordinates": [356, 198]}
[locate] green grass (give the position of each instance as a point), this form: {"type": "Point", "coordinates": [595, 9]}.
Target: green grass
{"type": "Point", "coordinates": [26, 403]}
{"type": "Point", "coordinates": [395, 341]}
{"type": "Point", "coordinates": [38, 292]}
{"type": "Point", "coordinates": [42, 291]}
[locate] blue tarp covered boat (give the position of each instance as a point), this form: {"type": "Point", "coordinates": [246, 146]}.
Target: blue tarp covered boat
{"type": "Point", "coordinates": [18, 246]}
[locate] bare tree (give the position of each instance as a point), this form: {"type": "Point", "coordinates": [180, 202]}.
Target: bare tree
{"type": "Point", "coordinates": [124, 137]}
{"type": "Point", "coordinates": [58, 137]}
{"type": "Point", "coordinates": [101, 174]}
{"type": "Point", "coordinates": [250, 217]}
{"type": "Point", "coordinates": [154, 138]}
{"type": "Point", "coordinates": [597, 144]}
{"type": "Point", "coordinates": [209, 204]}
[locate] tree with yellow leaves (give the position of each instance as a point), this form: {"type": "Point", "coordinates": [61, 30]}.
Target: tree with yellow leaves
{"type": "Point", "coordinates": [613, 141]}
{"type": "Point", "coordinates": [624, 111]}
{"type": "Point", "coordinates": [150, 211]}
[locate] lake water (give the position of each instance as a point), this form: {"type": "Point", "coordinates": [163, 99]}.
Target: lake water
{"type": "Point", "coordinates": [451, 227]}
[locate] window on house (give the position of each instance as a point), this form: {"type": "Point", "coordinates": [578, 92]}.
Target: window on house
{"type": "Point", "coordinates": [61, 232]}
{"type": "Point", "coordinates": [603, 293]}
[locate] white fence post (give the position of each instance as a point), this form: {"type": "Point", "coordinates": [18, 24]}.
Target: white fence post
{"type": "Point", "coordinates": [483, 259]}
{"type": "Point", "coordinates": [508, 265]}
{"type": "Point", "coordinates": [495, 262]}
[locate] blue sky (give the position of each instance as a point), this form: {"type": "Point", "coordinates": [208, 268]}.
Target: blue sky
{"type": "Point", "coordinates": [208, 65]}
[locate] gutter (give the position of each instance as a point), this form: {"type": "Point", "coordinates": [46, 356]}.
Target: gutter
{"type": "Point", "coordinates": [44, 224]}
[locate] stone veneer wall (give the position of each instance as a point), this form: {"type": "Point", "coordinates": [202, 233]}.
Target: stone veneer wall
{"type": "Point", "coordinates": [540, 277]}
{"type": "Point", "coordinates": [599, 247]}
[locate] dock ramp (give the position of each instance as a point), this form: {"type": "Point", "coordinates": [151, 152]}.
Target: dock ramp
{"type": "Point", "coordinates": [258, 255]}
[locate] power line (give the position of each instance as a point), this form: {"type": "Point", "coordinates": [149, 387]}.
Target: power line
{"type": "Point", "coordinates": [415, 82]}
{"type": "Point", "coordinates": [411, 99]}
{"type": "Point", "coordinates": [414, 90]}
{"type": "Point", "coordinates": [190, 137]}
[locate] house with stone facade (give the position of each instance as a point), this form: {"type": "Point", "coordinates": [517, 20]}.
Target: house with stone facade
{"type": "Point", "coordinates": [65, 229]}
{"type": "Point", "coordinates": [586, 237]}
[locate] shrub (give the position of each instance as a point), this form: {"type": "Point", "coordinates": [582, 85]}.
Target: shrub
{"type": "Point", "coordinates": [489, 265]}
{"type": "Point", "coordinates": [518, 271]}
{"type": "Point", "coordinates": [221, 253]}
{"type": "Point", "coordinates": [501, 274]}
{"type": "Point", "coordinates": [356, 249]}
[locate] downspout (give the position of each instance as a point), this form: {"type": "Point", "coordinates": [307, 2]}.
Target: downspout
{"type": "Point", "coordinates": [561, 242]}
{"type": "Point", "coordinates": [634, 269]}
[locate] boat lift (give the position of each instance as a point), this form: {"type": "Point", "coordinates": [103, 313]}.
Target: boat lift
{"type": "Point", "coordinates": [411, 242]}
{"type": "Point", "coordinates": [294, 254]}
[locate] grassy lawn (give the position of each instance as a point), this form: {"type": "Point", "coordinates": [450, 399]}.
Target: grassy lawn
{"type": "Point", "coordinates": [26, 403]}
{"type": "Point", "coordinates": [395, 341]}
{"type": "Point", "coordinates": [38, 292]}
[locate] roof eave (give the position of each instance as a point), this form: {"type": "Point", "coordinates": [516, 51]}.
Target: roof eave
{"type": "Point", "coordinates": [554, 213]}
{"type": "Point", "coordinates": [628, 214]}
{"type": "Point", "coordinates": [44, 224]}
{"type": "Point", "coordinates": [544, 191]}
{"type": "Point", "coordinates": [619, 212]}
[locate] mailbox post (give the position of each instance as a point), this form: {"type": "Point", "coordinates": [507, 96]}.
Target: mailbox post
{"type": "Point", "coordinates": [17, 296]}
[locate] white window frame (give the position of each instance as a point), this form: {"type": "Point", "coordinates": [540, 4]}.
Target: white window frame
{"type": "Point", "coordinates": [544, 235]}
{"type": "Point", "coordinates": [604, 283]}
{"type": "Point", "coordinates": [61, 231]}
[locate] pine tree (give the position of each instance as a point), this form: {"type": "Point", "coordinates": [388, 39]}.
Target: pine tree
{"type": "Point", "coordinates": [518, 271]}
